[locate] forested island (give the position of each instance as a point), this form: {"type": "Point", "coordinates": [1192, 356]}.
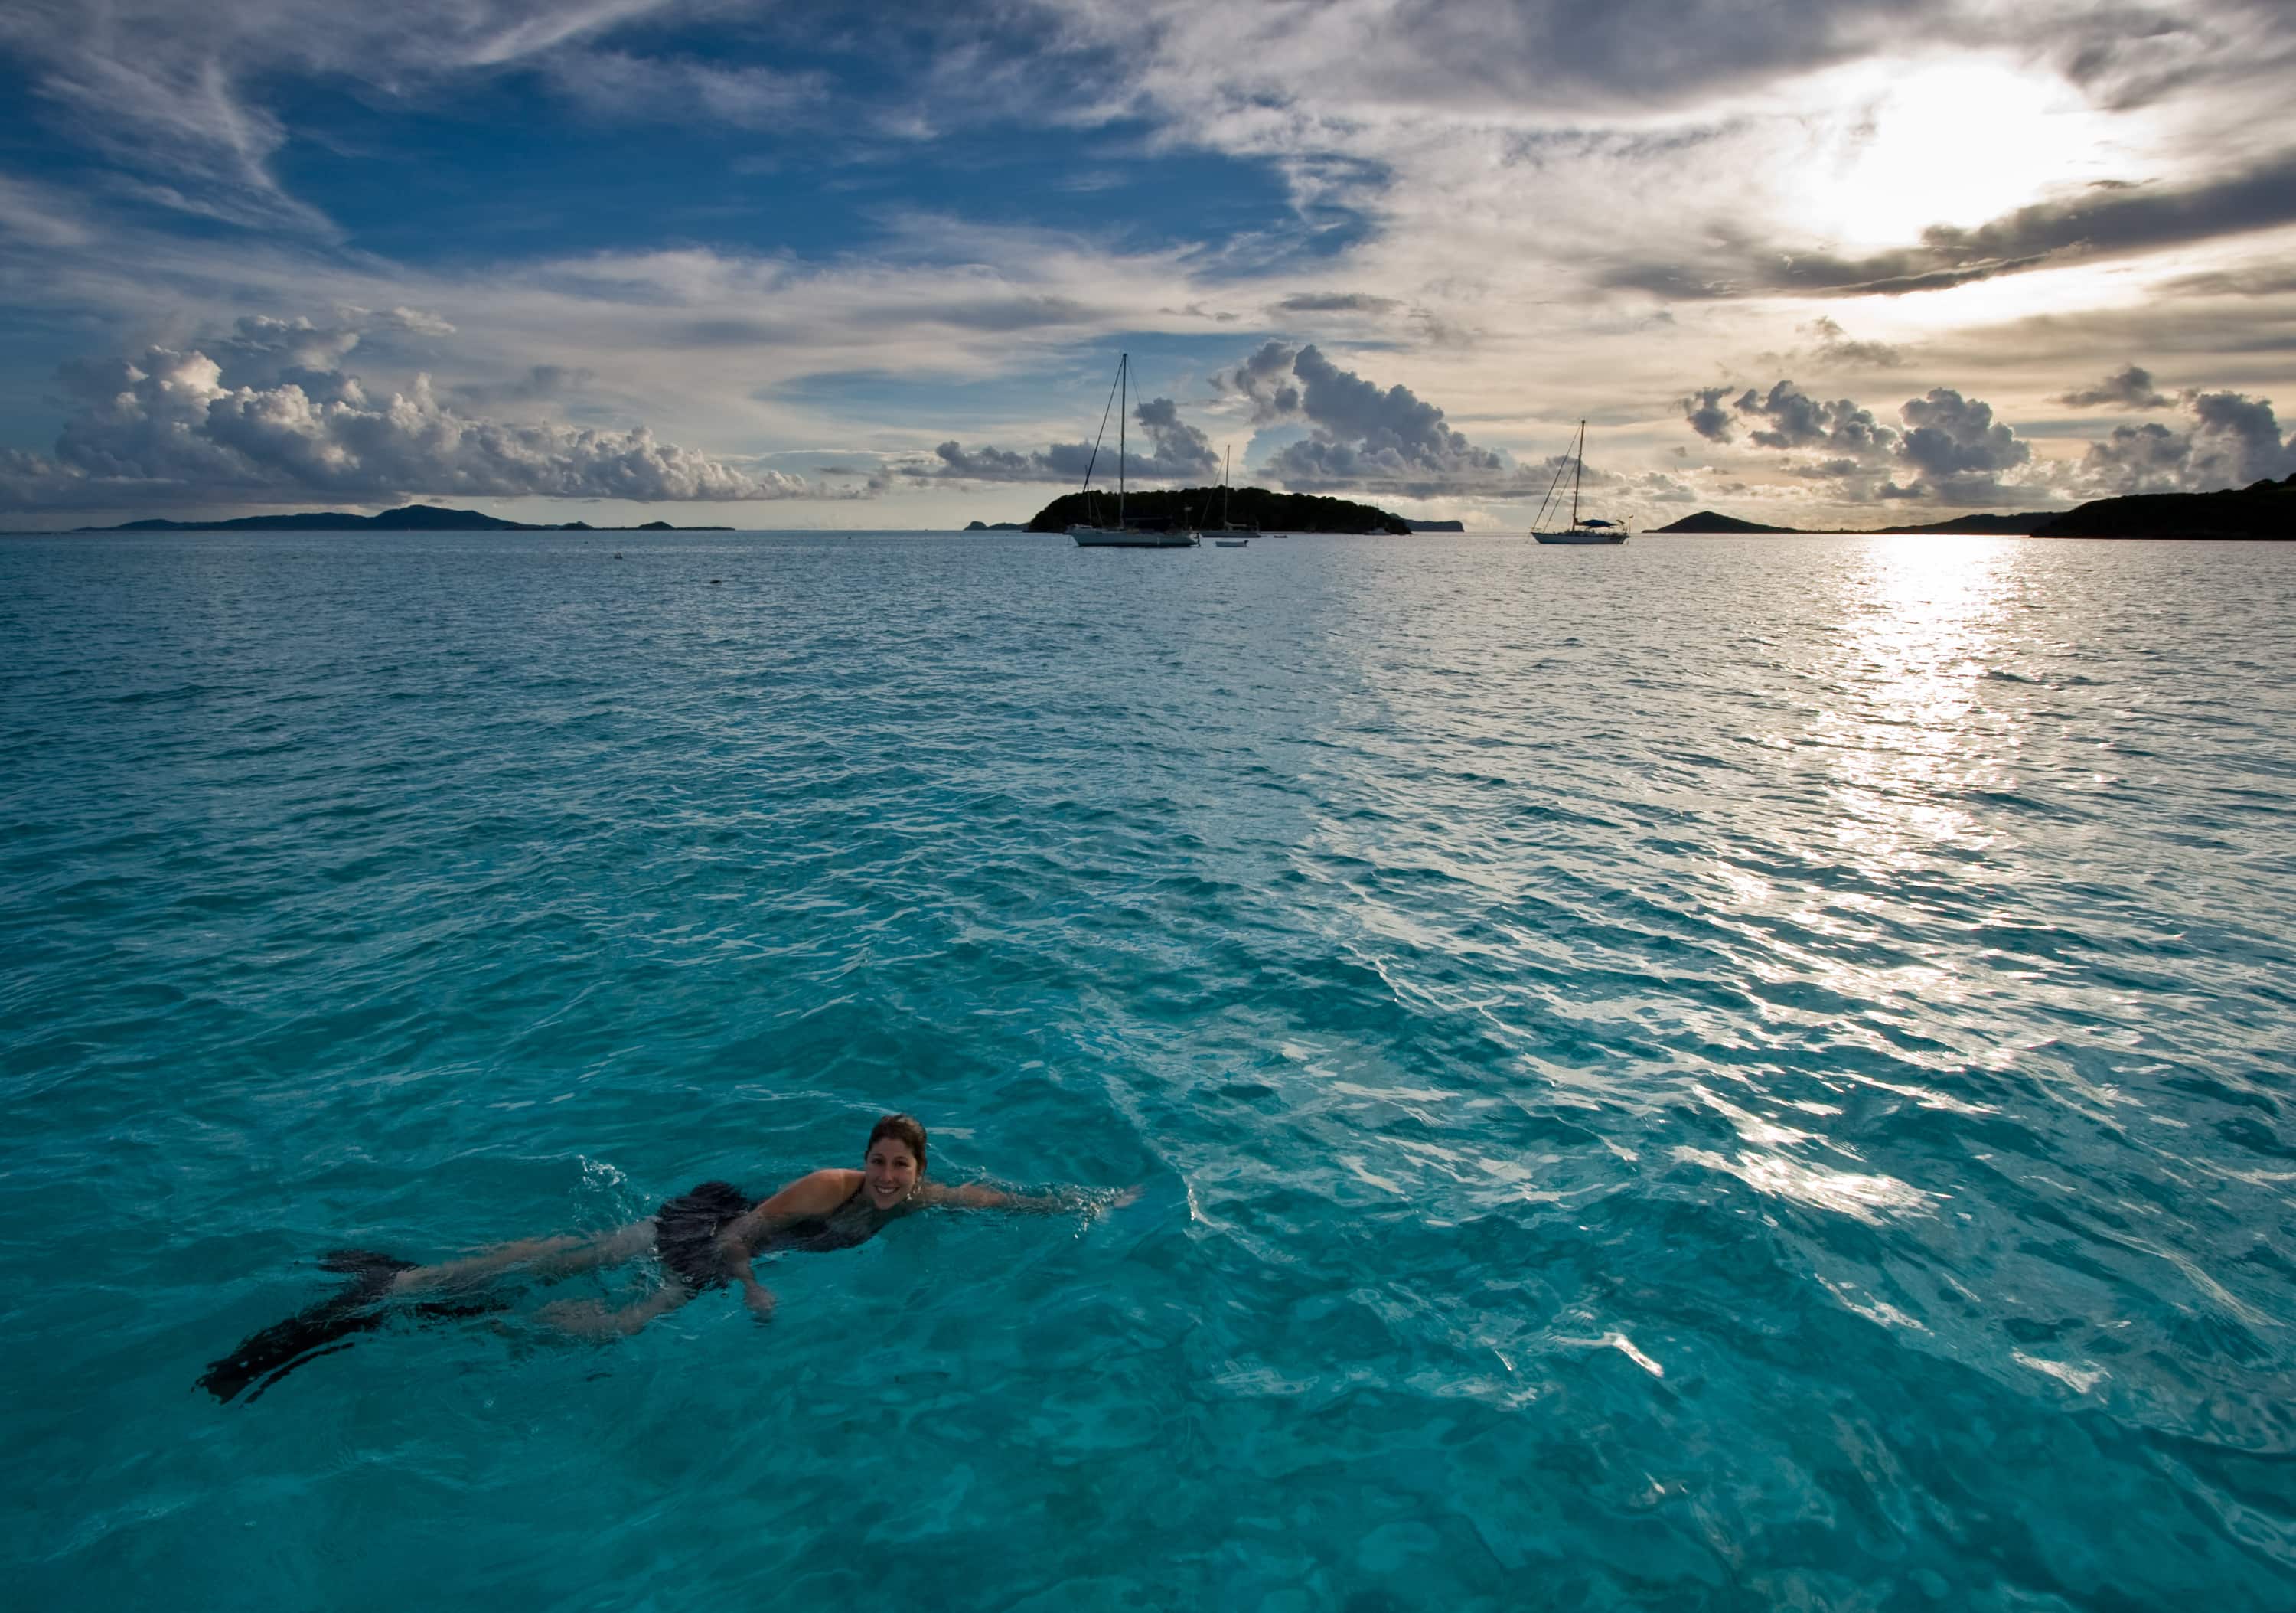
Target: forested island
{"type": "Point", "coordinates": [407, 518]}
{"type": "Point", "coordinates": [2262, 509]}
{"type": "Point", "coordinates": [1249, 508]}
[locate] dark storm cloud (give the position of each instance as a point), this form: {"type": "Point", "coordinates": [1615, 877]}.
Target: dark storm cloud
{"type": "Point", "coordinates": [1836, 347]}
{"type": "Point", "coordinates": [1706, 416]}
{"type": "Point", "coordinates": [2101, 223]}
{"type": "Point", "coordinates": [2148, 458]}
{"type": "Point", "coordinates": [1750, 269]}
{"type": "Point", "coordinates": [1364, 437]}
{"type": "Point", "coordinates": [2126, 56]}
{"type": "Point", "coordinates": [1182, 449]}
{"type": "Point", "coordinates": [1954, 451]}
{"type": "Point", "coordinates": [2130, 387]}
{"type": "Point", "coordinates": [1177, 452]}
{"type": "Point", "coordinates": [993, 464]}
{"type": "Point", "coordinates": [1959, 449]}
{"type": "Point", "coordinates": [1458, 54]}
{"type": "Point", "coordinates": [2247, 423]}
{"type": "Point", "coordinates": [2245, 282]}
{"type": "Point", "coordinates": [1266, 379]}
{"type": "Point", "coordinates": [1795, 420]}
{"type": "Point", "coordinates": [1951, 449]}
{"type": "Point", "coordinates": [1336, 302]}
{"type": "Point", "coordinates": [2230, 440]}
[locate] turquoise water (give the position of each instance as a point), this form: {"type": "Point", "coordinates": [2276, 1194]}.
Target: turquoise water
{"type": "Point", "coordinates": [1727, 1074]}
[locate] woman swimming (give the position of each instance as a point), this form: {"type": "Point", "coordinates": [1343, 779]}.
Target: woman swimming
{"type": "Point", "coordinates": [704, 1238]}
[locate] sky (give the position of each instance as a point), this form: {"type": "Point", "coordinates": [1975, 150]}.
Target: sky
{"type": "Point", "coordinates": [871, 266]}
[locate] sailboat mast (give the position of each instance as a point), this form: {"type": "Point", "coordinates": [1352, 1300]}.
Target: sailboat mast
{"type": "Point", "coordinates": [1576, 473]}
{"type": "Point", "coordinates": [1123, 408]}
{"type": "Point", "coordinates": [1227, 486]}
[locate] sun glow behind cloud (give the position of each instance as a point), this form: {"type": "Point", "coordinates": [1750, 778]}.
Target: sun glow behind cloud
{"type": "Point", "coordinates": [1512, 217]}
{"type": "Point", "coordinates": [1949, 142]}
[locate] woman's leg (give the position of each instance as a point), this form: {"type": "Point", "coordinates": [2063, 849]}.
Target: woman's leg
{"type": "Point", "coordinates": [588, 1319]}
{"type": "Point", "coordinates": [547, 1257]}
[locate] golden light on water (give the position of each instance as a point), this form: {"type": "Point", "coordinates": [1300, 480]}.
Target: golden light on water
{"type": "Point", "coordinates": [1904, 740]}
{"type": "Point", "coordinates": [1921, 622]}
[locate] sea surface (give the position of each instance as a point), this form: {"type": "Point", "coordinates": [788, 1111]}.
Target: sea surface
{"type": "Point", "coordinates": [1722, 1073]}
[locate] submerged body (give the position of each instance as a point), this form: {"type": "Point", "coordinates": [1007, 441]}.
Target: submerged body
{"type": "Point", "coordinates": [704, 1237]}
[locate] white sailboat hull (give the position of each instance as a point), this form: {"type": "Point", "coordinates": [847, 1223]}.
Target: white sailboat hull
{"type": "Point", "coordinates": [1127, 538]}
{"type": "Point", "coordinates": [1583, 529]}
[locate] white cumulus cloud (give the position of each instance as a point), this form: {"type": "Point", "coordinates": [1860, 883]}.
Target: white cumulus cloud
{"type": "Point", "coordinates": [268, 415]}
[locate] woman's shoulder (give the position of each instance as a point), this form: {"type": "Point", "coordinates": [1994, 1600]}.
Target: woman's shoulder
{"type": "Point", "coordinates": [818, 1191]}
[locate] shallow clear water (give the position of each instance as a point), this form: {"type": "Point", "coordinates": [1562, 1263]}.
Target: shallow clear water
{"type": "Point", "coordinates": [1720, 1073]}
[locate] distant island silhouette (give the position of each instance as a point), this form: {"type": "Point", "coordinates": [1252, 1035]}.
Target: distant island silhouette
{"type": "Point", "coordinates": [406, 518]}
{"type": "Point", "coordinates": [2262, 509]}
{"type": "Point", "coordinates": [1710, 522]}
{"type": "Point", "coordinates": [1249, 507]}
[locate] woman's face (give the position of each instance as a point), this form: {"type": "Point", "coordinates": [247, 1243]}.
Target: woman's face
{"type": "Point", "coordinates": [890, 1174]}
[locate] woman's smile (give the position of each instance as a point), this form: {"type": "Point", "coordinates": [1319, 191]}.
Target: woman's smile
{"type": "Point", "coordinates": [890, 1172]}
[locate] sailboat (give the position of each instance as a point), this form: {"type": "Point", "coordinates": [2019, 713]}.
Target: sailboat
{"type": "Point", "coordinates": [1586, 529]}
{"type": "Point", "coordinates": [1226, 524]}
{"type": "Point", "coordinates": [1090, 534]}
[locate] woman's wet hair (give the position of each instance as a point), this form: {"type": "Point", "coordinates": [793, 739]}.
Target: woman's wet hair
{"type": "Point", "coordinates": [902, 1128]}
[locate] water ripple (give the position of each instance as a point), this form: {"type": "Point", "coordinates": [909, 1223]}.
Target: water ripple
{"type": "Point", "coordinates": [1722, 1074]}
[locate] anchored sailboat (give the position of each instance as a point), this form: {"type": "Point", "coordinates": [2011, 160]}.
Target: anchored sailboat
{"type": "Point", "coordinates": [1582, 530]}
{"type": "Point", "coordinates": [1226, 524]}
{"type": "Point", "coordinates": [1123, 535]}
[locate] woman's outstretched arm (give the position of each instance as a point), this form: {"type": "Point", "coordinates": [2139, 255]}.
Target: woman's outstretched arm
{"type": "Point", "coordinates": [971, 1195]}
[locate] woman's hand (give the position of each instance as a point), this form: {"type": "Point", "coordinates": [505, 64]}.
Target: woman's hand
{"type": "Point", "coordinates": [758, 1299]}
{"type": "Point", "coordinates": [1127, 1198]}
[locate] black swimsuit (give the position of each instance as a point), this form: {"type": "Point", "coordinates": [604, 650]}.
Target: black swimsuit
{"type": "Point", "coordinates": [686, 1231]}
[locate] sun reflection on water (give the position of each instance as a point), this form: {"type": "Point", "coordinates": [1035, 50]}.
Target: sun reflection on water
{"type": "Point", "coordinates": [1922, 623]}
{"type": "Point", "coordinates": [1904, 759]}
